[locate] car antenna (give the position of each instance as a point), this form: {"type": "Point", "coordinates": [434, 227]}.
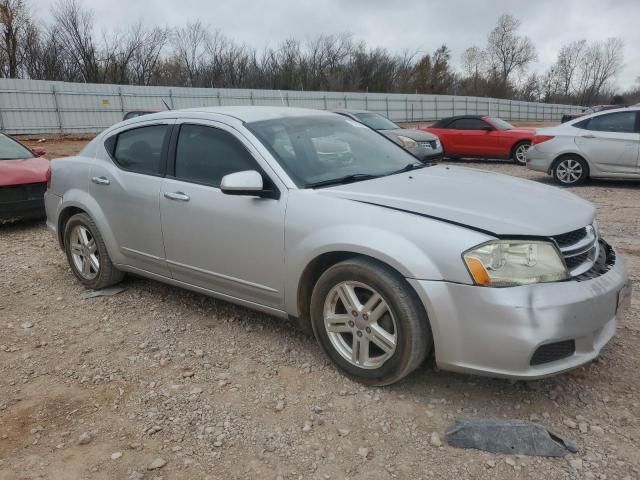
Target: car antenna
{"type": "Point", "coordinates": [166, 106]}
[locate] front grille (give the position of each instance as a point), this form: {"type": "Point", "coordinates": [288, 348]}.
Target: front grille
{"type": "Point", "coordinates": [579, 248]}
{"type": "Point", "coordinates": [553, 351]}
{"type": "Point", "coordinates": [21, 193]}
{"type": "Point", "coordinates": [570, 238]}
{"type": "Point", "coordinates": [605, 261]}
{"type": "Point", "coordinates": [428, 144]}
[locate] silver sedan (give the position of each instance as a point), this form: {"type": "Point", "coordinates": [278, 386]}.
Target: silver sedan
{"type": "Point", "coordinates": [602, 145]}
{"type": "Point", "coordinates": [313, 216]}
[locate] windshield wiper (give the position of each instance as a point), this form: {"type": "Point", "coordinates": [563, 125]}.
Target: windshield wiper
{"type": "Point", "coordinates": [354, 177]}
{"type": "Point", "coordinates": [408, 168]}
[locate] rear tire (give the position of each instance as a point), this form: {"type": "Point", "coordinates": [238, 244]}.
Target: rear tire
{"type": "Point", "coordinates": [570, 170]}
{"type": "Point", "coordinates": [519, 153]}
{"type": "Point", "coordinates": [379, 333]}
{"type": "Point", "coordinates": [87, 254]}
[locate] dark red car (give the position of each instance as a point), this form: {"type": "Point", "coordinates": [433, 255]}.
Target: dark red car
{"type": "Point", "coordinates": [477, 136]}
{"type": "Point", "coordinates": [23, 180]}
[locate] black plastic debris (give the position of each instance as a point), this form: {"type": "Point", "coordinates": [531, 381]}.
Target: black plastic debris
{"type": "Point", "coordinates": [515, 437]}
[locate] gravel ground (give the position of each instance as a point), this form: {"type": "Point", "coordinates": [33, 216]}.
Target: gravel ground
{"type": "Point", "coordinates": [157, 382]}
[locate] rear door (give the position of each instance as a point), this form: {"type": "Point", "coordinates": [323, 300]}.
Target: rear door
{"type": "Point", "coordinates": [611, 141]}
{"type": "Point", "coordinates": [128, 190]}
{"type": "Point", "coordinates": [475, 138]}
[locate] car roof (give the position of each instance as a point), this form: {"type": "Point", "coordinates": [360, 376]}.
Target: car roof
{"type": "Point", "coordinates": [243, 113]}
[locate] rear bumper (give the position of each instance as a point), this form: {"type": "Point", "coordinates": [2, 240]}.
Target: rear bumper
{"type": "Point", "coordinates": [539, 161]}
{"type": "Point", "coordinates": [497, 331]}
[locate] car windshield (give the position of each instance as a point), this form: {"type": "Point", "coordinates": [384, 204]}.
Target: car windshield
{"type": "Point", "coordinates": [10, 149]}
{"type": "Point", "coordinates": [500, 124]}
{"type": "Point", "coordinates": [322, 150]}
{"type": "Point", "coordinates": [376, 121]}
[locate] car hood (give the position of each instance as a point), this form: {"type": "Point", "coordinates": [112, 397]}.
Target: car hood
{"type": "Point", "coordinates": [417, 135]}
{"type": "Point", "coordinates": [491, 202]}
{"type": "Point", "coordinates": [26, 170]}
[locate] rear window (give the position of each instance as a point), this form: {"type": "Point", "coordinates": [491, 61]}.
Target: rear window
{"type": "Point", "coordinates": [139, 150]}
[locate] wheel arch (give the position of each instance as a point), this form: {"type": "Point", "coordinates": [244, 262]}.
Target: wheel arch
{"type": "Point", "coordinates": [315, 268]}
{"type": "Point", "coordinates": [516, 143]}
{"type": "Point", "coordinates": [564, 155]}
{"type": "Point", "coordinates": [80, 202]}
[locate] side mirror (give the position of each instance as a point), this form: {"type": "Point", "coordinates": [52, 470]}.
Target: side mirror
{"type": "Point", "coordinates": [38, 152]}
{"type": "Point", "coordinates": [248, 182]}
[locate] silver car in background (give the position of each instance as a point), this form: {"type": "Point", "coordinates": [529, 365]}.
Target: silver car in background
{"type": "Point", "coordinates": [313, 216]}
{"type": "Point", "coordinates": [603, 145]}
{"type": "Point", "coordinates": [423, 145]}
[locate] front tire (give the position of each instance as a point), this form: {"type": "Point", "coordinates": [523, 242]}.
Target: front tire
{"type": "Point", "coordinates": [519, 153]}
{"type": "Point", "coordinates": [570, 170]}
{"type": "Point", "coordinates": [87, 253]}
{"type": "Point", "coordinates": [369, 321]}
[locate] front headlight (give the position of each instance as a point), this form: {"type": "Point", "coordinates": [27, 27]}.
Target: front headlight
{"type": "Point", "coordinates": [508, 263]}
{"type": "Point", "coordinates": [407, 142]}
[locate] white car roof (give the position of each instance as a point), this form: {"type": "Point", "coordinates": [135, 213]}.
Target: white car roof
{"type": "Point", "coordinates": [242, 113]}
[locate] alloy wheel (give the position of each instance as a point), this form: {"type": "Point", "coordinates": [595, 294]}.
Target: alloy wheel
{"type": "Point", "coordinates": [569, 171]}
{"type": "Point", "coordinates": [521, 153]}
{"type": "Point", "coordinates": [84, 252]}
{"type": "Point", "coordinates": [360, 324]}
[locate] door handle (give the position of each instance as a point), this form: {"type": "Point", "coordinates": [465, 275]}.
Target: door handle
{"type": "Point", "coordinates": [179, 196]}
{"type": "Point", "coordinates": [589, 136]}
{"type": "Point", "coordinates": [100, 180]}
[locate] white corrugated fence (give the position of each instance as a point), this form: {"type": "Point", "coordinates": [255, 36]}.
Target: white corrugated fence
{"type": "Point", "coordinates": [38, 107]}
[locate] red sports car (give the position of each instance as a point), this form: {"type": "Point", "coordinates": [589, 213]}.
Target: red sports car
{"type": "Point", "coordinates": [478, 136]}
{"type": "Point", "coordinates": [23, 180]}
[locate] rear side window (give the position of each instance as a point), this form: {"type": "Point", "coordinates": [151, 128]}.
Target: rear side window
{"type": "Point", "coordinates": [140, 150]}
{"type": "Point", "coordinates": [469, 124]}
{"type": "Point", "coordinates": [206, 154]}
{"type": "Point", "coordinates": [621, 122]}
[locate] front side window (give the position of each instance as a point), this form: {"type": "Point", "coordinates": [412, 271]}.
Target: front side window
{"type": "Point", "coordinates": [621, 122]}
{"type": "Point", "coordinates": [469, 124]}
{"type": "Point", "coordinates": [140, 150]}
{"type": "Point", "coordinates": [206, 154]}
{"type": "Point", "coordinates": [319, 149]}
{"type": "Point", "coordinates": [10, 149]}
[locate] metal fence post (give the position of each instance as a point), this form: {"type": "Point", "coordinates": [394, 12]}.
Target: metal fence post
{"type": "Point", "coordinates": [325, 101]}
{"type": "Point", "coordinates": [406, 107]}
{"type": "Point", "coordinates": [219, 99]}
{"type": "Point", "coordinates": [287, 98]}
{"type": "Point", "coordinates": [121, 100]}
{"type": "Point", "coordinates": [366, 103]}
{"type": "Point", "coordinates": [453, 105]}
{"type": "Point", "coordinates": [345, 101]}
{"type": "Point", "coordinates": [251, 98]}
{"type": "Point", "coordinates": [55, 102]}
{"type": "Point", "coordinates": [171, 99]}
{"type": "Point", "coordinates": [387, 100]}
{"type": "Point", "coordinates": [435, 101]}
{"type": "Point", "coordinates": [421, 108]}
{"type": "Point", "coordinates": [2, 129]}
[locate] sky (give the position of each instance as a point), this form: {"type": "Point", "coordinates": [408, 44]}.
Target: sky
{"type": "Point", "coordinates": [415, 25]}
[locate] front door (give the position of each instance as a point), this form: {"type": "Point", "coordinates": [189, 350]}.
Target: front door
{"type": "Point", "coordinates": [475, 138]}
{"type": "Point", "coordinates": [611, 141]}
{"type": "Point", "coordinates": [128, 190]}
{"type": "Point", "coordinates": [232, 245]}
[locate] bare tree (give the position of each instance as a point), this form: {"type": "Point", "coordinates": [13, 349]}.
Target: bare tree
{"type": "Point", "coordinates": [75, 26]}
{"type": "Point", "coordinates": [15, 22]}
{"type": "Point", "coordinates": [190, 45]}
{"type": "Point", "coordinates": [507, 51]}
{"type": "Point", "coordinates": [602, 61]}
{"type": "Point", "coordinates": [569, 59]}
